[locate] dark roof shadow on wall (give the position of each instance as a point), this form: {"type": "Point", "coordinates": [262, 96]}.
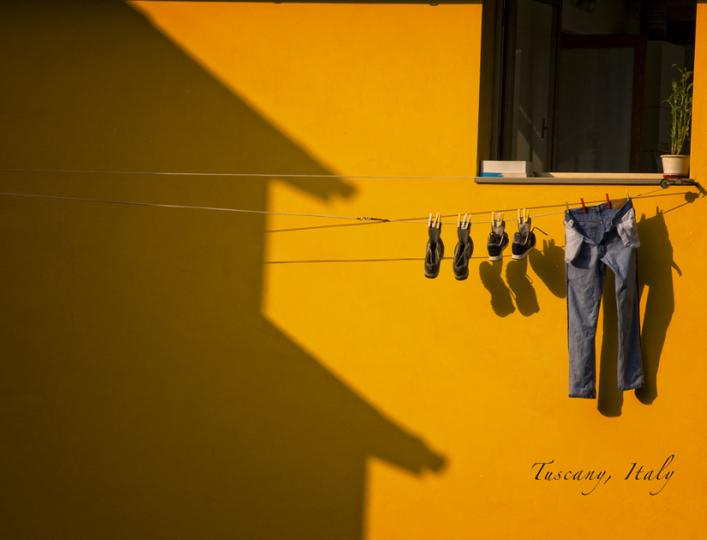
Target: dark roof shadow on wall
{"type": "Point", "coordinates": [144, 393]}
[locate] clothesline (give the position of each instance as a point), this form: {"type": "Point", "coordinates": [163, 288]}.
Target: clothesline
{"type": "Point", "coordinates": [119, 172]}
{"type": "Point", "coordinates": [416, 220]}
{"type": "Point", "coordinates": [563, 205]}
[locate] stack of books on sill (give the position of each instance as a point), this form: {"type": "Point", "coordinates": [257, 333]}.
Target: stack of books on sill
{"type": "Point", "coordinates": [506, 169]}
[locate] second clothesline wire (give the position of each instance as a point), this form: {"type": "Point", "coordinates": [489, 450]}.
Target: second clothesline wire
{"type": "Point", "coordinates": [416, 220]}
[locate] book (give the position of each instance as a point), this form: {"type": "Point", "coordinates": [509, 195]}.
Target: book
{"type": "Point", "coordinates": [515, 169]}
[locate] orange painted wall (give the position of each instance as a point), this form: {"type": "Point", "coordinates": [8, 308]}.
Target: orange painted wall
{"type": "Point", "coordinates": [212, 375]}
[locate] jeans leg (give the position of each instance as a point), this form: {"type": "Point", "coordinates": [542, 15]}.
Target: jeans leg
{"type": "Point", "coordinates": [622, 260]}
{"type": "Point", "coordinates": [584, 288]}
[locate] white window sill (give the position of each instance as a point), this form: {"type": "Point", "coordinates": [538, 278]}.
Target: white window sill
{"type": "Point", "coordinates": [586, 179]}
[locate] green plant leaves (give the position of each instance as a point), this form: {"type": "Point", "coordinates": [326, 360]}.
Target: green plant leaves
{"type": "Point", "coordinates": [680, 102]}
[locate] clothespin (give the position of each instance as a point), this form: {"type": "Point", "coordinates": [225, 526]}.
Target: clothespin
{"type": "Point", "coordinates": [584, 206]}
{"type": "Point", "coordinates": [628, 197]}
{"type": "Point", "coordinates": [434, 221]}
{"type": "Point", "coordinates": [608, 200]}
{"type": "Point", "coordinates": [523, 216]}
{"type": "Point", "coordinates": [463, 222]}
{"type": "Point", "coordinates": [567, 206]}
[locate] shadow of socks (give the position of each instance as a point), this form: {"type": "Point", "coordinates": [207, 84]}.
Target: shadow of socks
{"type": "Point", "coordinates": [549, 266]}
{"type": "Point", "coordinates": [501, 301]}
{"type": "Point", "coordinates": [523, 291]}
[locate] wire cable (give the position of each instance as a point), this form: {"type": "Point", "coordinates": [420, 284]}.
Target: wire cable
{"type": "Point", "coordinates": [118, 172]}
{"type": "Point", "coordinates": [371, 219]}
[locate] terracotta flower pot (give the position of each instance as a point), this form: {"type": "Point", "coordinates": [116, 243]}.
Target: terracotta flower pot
{"type": "Point", "coordinates": [675, 165]}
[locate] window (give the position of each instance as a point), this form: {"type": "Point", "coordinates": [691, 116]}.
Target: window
{"type": "Point", "coordinates": [580, 84]}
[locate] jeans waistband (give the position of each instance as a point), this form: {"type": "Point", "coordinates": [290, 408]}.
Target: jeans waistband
{"type": "Point", "coordinates": [599, 212]}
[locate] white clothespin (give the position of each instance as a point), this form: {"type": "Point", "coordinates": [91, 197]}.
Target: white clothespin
{"type": "Point", "coordinates": [522, 216]}
{"type": "Point", "coordinates": [495, 218]}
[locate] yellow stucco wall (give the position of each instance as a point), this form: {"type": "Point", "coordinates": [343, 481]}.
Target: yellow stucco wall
{"type": "Point", "coordinates": [181, 373]}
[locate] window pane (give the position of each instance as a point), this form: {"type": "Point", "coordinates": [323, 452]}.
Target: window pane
{"type": "Point", "coordinates": [595, 97]}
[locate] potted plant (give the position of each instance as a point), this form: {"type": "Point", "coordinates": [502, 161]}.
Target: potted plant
{"type": "Point", "coordinates": [675, 164]}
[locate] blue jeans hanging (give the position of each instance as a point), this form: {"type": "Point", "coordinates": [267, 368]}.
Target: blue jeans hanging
{"type": "Point", "coordinates": [595, 239]}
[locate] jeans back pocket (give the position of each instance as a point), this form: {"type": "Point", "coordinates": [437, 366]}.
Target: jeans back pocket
{"type": "Point", "coordinates": [627, 229]}
{"type": "Point", "coordinates": [573, 242]}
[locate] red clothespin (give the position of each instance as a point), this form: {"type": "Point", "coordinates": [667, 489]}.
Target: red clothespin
{"type": "Point", "coordinates": [608, 201]}
{"type": "Point", "coordinates": [584, 206]}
